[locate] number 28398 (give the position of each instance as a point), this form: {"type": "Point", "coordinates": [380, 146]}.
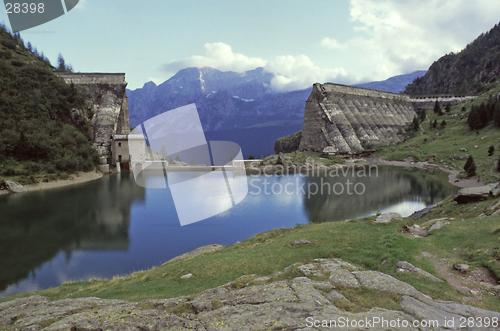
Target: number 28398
{"type": "Point", "coordinates": [24, 8]}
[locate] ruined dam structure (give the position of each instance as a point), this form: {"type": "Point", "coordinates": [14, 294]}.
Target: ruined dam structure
{"type": "Point", "coordinates": [427, 102]}
{"type": "Point", "coordinates": [340, 118]}
{"type": "Point", "coordinates": [107, 95]}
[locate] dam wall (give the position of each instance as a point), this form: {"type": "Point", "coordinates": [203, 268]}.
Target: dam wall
{"type": "Point", "coordinates": [427, 102]}
{"type": "Point", "coordinates": [107, 95]}
{"type": "Point", "coordinates": [340, 118]}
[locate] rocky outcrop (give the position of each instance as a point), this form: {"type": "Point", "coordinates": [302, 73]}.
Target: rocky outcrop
{"type": "Point", "coordinates": [15, 187]}
{"type": "Point", "coordinates": [288, 144]}
{"type": "Point", "coordinates": [474, 194]}
{"type": "Point", "coordinates": [348, 118]}
{"type": "Point", "coordinates": [404, 266]}
{"type": "Point", "coordinates": [387, 218]}
{"type": "Point", "coordinates": [300, 303]}
{"type": "Point", "coordinates": [108, 97]}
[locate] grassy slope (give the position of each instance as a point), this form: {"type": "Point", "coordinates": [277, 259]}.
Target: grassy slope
{"type": "Point", "coordinates": [443, 143]}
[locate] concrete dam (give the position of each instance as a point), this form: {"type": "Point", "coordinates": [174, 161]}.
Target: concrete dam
{"type": "Point", "coordinates": [344, 119]}
{"type": "Point", "coordinates": [340, 118]}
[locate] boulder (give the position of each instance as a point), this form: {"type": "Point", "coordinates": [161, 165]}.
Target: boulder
{"type": "Point", "coordinates": [288, 144]}
{"type": "Point", "coordinates": [473, 194]}
{"type": "Point", "coordinates": [438, 225]}
{"type": "Point", "coordinates": [301, 242]}
{"type": "Point", "coordinates": [15, 187]}
{"type": "Point", "coordinates": [187, 276]}
{"type": "Point", "coordinates": [405, 266]}
{"type": "Point", "coordinates": [461, 267]}
{"type": "Point", "coordinates": [388, 217]}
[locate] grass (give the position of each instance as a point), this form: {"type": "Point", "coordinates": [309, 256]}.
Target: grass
{"type": "Point", "coordinates": [373, 247]}
{"type": "Point", "coordinates": [444, 143]}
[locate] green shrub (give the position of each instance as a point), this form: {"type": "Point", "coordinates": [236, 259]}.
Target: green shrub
{"type": "Point", "coordinates": [50, 169]}
{"type": "Point", "coordinates": [17, 63]}
{"type": "Point", "coordinates": [9, 172]}
{"type": "Point", "coordinates": [10, 44]}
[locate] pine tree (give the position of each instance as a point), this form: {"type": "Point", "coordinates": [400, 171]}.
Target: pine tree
{"type": "Point", "coordinates": [496, 114]}
{"type": "Point", "coordinates": [61, 64]}
{"type": "Point", "coordinates": [473, 119]}
{"type": "Point", "coordinates": [470, 166]}
{"type": "Point", "coordinates": [447, 108]}
{"type": "Point", "coordinates": [491, 150]}
{"type": "Point", "coordinates": [483, 115]}
{"type": "Point", "coordinates": [437, 108]}
{"type": "Point", "coordinates": [435, 124]}
{"type": "Point", "coordinates": [192, 162]}
{"type": "Point", "coordinates": [415, 123]}
{"type": "Point", "coordinates": [421, 116]}
{"type": "Point", "coordinates": [443, 123]}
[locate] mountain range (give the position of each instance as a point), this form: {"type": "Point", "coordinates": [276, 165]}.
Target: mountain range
{"type": "Point", "coordinates": [239, 107]}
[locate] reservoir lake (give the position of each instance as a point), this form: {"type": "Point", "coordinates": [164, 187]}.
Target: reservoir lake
{"type": "Point", "coordinates": [113, 227]}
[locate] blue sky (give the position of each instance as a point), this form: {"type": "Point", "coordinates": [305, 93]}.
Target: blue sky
{"type": "Point", "coordinates": [301, 41]}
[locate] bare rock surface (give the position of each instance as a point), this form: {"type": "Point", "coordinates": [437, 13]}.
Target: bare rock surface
{"type": "Point", "coordinates": [14, 187]}
{"type": "Point", "coordinates": [405, 266]}
{"type": "Point", "coordinates": [473, 194]}
{"type": "Point", "coordinates": [296, 304]}
{"type": "Point", "coordinates": [388, 217]}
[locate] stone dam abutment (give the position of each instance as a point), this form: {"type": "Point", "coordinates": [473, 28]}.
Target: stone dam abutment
{"type": "Point", "coordinates": [346, 119]}
{"type": "Point", "coordinates": [107, 95]}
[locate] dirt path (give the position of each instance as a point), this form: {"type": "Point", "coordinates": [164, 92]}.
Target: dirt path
{"type": "Point", "coordinates": [80, 177]}
{"type": "Point", "coordinates": [476, 282]}
{"type": "Point", "coordinates": [452, 174]}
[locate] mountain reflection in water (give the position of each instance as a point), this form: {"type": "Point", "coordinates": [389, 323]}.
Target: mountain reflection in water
{"type": "Point", "coordinates": [112, 226]}
{"type": "Point", "coordinates": [382, 187]}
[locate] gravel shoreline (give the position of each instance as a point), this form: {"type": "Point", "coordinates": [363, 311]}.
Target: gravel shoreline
{"type": "Point", "coordinates": [79, 177]}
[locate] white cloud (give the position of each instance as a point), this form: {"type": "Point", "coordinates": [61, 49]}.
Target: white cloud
{"type": "Point", "coordinates": [395, 37]}
{"type": "Point", "coordinates": [298, 72]}
{"type": "Point", "coordinates": [332, 43]}
{"type": "Point", "coordinates": [292, 72]}
{"type": "Point", "coordinates": [219, 56]}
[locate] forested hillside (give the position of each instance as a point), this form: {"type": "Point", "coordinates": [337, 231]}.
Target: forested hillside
{"type": "Point", "coordinates": [44, 123]}
{"type": "Point", "coordinates": [464, 72]}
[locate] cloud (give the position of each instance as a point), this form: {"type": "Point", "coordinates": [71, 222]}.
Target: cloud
{"type": "Point", "coordinates": [291, 72]}
{"type": "Point", "coordinates": [219, 56]}
{"type": "Point", "coordinates": [332, 43]}
{"type": "Point", "coordinates": [299, 72]}
{"type": "Point", "coordinates": [394, 37]}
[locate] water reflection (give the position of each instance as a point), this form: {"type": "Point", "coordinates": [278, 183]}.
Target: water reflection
{"type": "Point", "coordinates": [372, 191]}
{"type": "Point", "coordinates": [36, 226]}
{"type": "Point", "coordinates": [113, 226]}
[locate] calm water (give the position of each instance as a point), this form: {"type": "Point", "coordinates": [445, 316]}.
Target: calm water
{"type": "Point", "coordinates": [113, 227]}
